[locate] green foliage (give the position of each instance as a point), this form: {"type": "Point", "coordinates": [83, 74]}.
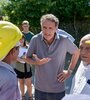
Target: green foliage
{"type": "Point", "coordinates": [66, 10]}
{"type": "Point", "coordinates": [2, 4]}
{"type": "Point", "coordinates": [32, 10]}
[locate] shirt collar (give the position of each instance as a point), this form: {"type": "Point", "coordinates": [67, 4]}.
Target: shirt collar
{"type": "Point", "coordinates": [57, 36]}
{"type": "Point", "coordinates": [7, 66]}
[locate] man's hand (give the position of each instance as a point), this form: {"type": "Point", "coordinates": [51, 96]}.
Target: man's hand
{"type": "Point", "coordinates": [63, 76]}
{"type": "Point", "coordinates": [41, 61]}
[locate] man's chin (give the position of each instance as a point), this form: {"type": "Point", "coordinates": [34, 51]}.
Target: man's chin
{"type": "Point", "coordinates": [85, 60]}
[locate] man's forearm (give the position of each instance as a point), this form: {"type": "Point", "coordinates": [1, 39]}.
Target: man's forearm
{"type": "Point", "coordinates": [74, 60]}
{"type": "Point", "coordinates": [37, 62]}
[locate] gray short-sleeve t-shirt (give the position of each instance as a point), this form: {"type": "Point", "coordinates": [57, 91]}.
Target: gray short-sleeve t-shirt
{"type": "Point", "coordinates": [46, 74]}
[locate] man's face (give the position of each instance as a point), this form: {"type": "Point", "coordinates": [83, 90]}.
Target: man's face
{"type": "Point", "coordinates": [48, 29]}
{"type": "Point", "coordinates": [25, 27]}
{"type": "Point", "coordinates": [85, 52]}
{"type": "Point", "coordinates": [22, 41]}
{"type": "Point", "coordinates": [15, 53]}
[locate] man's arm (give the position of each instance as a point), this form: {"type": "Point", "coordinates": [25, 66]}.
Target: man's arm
{"type": "Point", "coordinates": [66, 73]}
{"type": "Point", "coordinates": [74, 60]}
{"type": "Point", "coordinates": [37, 61]}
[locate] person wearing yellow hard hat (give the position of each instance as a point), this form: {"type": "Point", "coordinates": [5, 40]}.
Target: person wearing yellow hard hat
{"type": "Point", "coordinates": [9, 49]}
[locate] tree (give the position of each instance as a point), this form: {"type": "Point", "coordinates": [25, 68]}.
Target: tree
{"type": "Point", "coordinates": [2, 4]}
{"type": "Point", "coordinates": [32, 10]}
{"type": "Point", "coordinates": [71, 11]}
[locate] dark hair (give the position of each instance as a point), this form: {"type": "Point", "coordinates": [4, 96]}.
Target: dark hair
{"type": "Point", "coordinates": [25, 45]}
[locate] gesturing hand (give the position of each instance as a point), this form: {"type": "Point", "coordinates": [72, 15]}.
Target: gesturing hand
{"type": "Point", "coordinates": [41, 61]}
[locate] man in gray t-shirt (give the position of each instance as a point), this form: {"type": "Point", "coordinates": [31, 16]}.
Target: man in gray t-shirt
{"type": "Point", "coordinates": [47, 50]}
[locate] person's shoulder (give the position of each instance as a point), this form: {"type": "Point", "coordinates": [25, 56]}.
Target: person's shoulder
{"type": "Point", "coordinates": [4, 72]}
{"type": "Point", "coordinates": [36, 38]}
{"type": "Point", "coordinates": [31, 33]}
{"type": "Point", "coordinates": [65, 34]}
{"type": "Point", "coordinates": [60, 30]}
{"type": "Point", "coordinates": [23, 32]}
{"type": "Point", "coordinates": [62, 37]}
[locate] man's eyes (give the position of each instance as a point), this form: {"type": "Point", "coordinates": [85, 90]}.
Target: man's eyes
{"type": "Point", "coordinates": [82, 48]}
{"type": "Point", "coordinates": [88, 48]}
{"type": "Point", "coordinates": [47, 28]}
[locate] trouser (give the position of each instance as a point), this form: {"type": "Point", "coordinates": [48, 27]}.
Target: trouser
{"type": "Point", "coordinates": [39, 95]}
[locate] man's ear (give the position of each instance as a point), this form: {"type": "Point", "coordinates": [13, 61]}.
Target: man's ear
{"type": "Point", "coordinates": [12, 51]}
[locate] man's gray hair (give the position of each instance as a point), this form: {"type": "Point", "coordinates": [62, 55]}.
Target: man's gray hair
{"type": "Point", "coordinates": [51, 18]}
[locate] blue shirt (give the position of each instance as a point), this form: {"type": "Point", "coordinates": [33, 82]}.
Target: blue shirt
{"type": "Point", "coordinates": [64, 33]}
{"type": "Point", "coordinates": [8, 83]}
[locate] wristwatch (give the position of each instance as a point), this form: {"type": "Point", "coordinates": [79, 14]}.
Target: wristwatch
{"type": "Point", "coordinates": [70, 71]}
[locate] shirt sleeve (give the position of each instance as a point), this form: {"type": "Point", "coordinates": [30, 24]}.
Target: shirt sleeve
{"type": "Point", "coordinates": [71, 47]}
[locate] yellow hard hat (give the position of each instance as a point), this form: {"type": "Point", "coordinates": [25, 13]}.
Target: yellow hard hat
{"type": "Point", "coordinates": [87, 42]}
{"type": "Point", "coordinates": [9, 36]}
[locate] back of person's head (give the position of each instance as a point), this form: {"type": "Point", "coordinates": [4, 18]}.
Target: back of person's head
{"type": "Point", "coordinates": [51, 18]}
{"type": "Point", "coordinates": [9, 37]}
